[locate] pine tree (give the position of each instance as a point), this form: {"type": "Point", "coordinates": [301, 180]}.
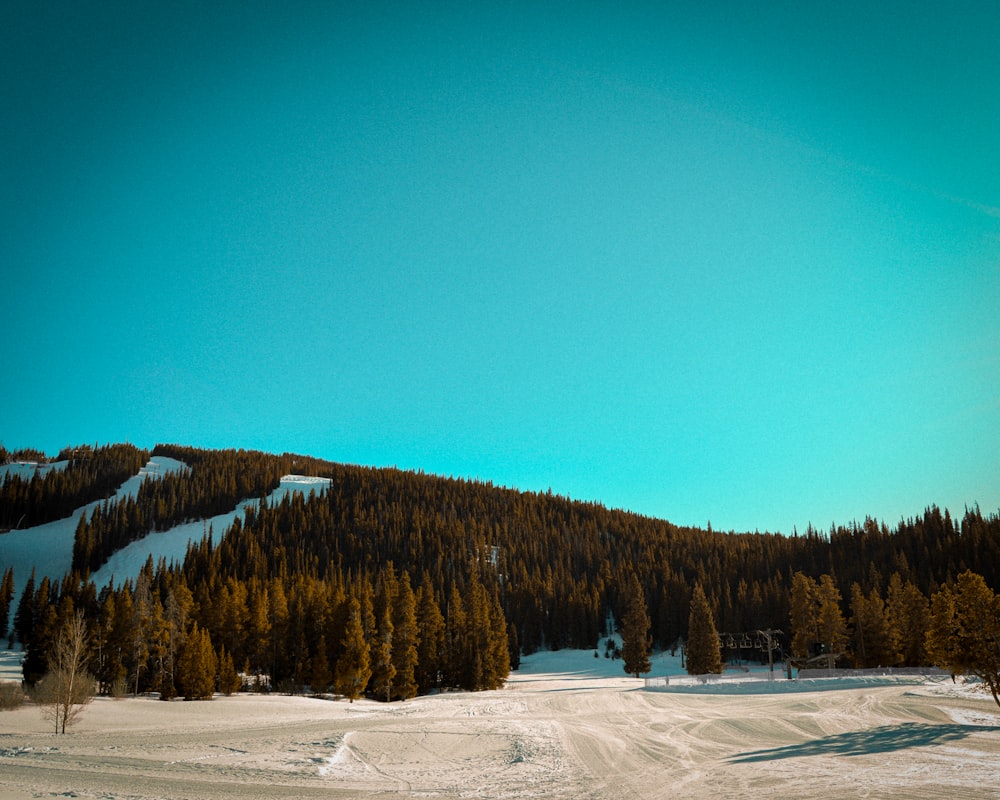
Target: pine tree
{"type": "Point", "coordinates": [197, 666]}
{"type": "Point", "coordinates": [636, 641]}
{"type": "Point", "coordinates": [405, 639]}
{"type": "Point", "coordinates": [964, 632]}
{"type": "Point", "coordinates": [24, 618]}
{"type": "Point", "coordinates": [498, 653]}
{"type": "Point", "coordinates": [229, 681]}
{"type": "Point", "coordinates": [873, 641]}
{"type": "Point", "coordinates": [803, 615]}
{"type": "Point", "coordinates": [383, 669]}
{"type": "Point", "coordinates": [831, 622]}
{"type": "Point", "coordinates": [907, 609]}
{"type": "Point", "coordinates": [6, 598]}
{"type": "Point", "coordinates": [454, 660]}
{"type": "Point", "coordinates": [704, 650]}
{"type": "Point", "coordinates": [354, 665]}
{"type": "Point", "coordinates": [320, 676]}
{"type": "Point", "coordinates": [431, 639]}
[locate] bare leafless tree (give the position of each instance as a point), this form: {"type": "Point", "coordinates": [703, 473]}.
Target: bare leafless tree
{"type": "Point", "coordinates": [67, 687]}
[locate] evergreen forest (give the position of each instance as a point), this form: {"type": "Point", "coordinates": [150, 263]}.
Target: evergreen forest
{"type": "Point", "coordinates": [393, 583]}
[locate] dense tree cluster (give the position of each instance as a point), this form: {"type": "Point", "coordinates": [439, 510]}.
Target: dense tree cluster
{"type": "Point", "coordinates": [390, 582]}
{"type": "Point", "coordinates": [92, 473]}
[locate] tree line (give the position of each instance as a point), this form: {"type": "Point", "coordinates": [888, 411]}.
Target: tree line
{"type": "Point", "coordinates": [521, 569]}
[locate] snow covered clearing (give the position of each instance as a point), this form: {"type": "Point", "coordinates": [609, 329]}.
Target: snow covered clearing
{"type": "Point", "coordinates": [568, 725]}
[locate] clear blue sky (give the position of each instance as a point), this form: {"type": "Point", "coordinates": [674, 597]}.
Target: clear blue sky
{"type": "Point", "coordinates": [727, 262]}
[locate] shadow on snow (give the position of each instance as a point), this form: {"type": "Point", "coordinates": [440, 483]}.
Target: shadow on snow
{"type": "Point", "coordinates": [886, 739]}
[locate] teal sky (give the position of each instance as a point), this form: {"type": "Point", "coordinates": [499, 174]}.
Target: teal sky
{"type": "Point", "coordinates": [727, 262]}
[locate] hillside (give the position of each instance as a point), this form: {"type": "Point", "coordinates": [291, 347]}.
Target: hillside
{"type": "Point", "coordinates": [467, 567]}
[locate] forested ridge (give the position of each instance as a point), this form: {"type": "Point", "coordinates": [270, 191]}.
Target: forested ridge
{"type": "Point", "coordinates": [392, 582]}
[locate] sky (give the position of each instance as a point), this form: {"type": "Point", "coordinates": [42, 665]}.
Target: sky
{"type": "Point", "coordinates": [720, 263]}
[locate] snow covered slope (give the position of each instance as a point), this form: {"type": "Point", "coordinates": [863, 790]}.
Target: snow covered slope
{"type": "Point", "coordinates": [48, 548]}
{"type": "Point", "coordinates": [172, 544]}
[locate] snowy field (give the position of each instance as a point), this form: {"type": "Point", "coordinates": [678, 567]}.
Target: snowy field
{"type": "Point", "coordinates": [566, 726]}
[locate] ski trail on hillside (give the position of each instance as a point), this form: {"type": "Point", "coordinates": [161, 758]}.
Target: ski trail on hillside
{"type": "Point", "coordinates": [172, 544]}
{"type": "Point", "coordinates": [48, 548]}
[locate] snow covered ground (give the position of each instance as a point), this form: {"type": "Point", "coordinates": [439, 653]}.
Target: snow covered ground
{"type": "Point", "coordinates": [566, 726]}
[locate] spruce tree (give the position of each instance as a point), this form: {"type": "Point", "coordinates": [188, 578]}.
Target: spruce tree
{"type": "Point", "coordinates": [6, 598]}
{"type": "Point", "coordinates": [964, 630]}
{"type": "Point", "coordinates": [320, 676]}
{"type": "Point", "coordinates": [229, 680]}
{"type": "Point", "coordinates": [405, 639]}
{"type": "Point", "coordinates": [354, 665]}
{"type": "Point", "coordinates": [704, 650]}
{"type": "Point", "coordinates": [636, 641]}
{"type": "Point", "coordinates": [431, 639]}
{"type": "Point", "coordinates": [383, 669]}
{"type": "Point", "coordinates": [803, 615]}
{"type": "Point", "coordinates": [197, 666]}
{"type": "Point", "coordinates": [832, 625]}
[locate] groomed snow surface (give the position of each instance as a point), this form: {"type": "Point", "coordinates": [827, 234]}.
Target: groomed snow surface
{"type": "Point", "coordinates": [566, 726]}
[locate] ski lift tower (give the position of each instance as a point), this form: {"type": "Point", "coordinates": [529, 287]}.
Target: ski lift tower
{"type": "Point", "coordinates": [769, 635]}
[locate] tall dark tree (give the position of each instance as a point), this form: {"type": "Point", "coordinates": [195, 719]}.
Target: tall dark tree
{"type": "Point", "coordinates": [964, 632]}
{"type": "Point", "coordinates": [635, 625]}
{"type": "Point", "coordinates": [6, 598]}
{"type": "Point", "coordinates": [354, 665]}
{"type": "Point", "coordinates": [405, 640]}
{"type": "Point", "coordinates": [197, 666]}
{"type": "Point", "coordinates": [704, 650]}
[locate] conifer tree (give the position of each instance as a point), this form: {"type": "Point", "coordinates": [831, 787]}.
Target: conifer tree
{"type": "Point", "coordinates": [229, 681]}
{"type": "Point", "coordinates": [873, 645]}
{"type": "Point", "coordinates": [704, 650]}
{"type": "Point", "coordinates": [964, 632]}
{"type": "Point", "coordinates": [636, 641]}
{"type": "Point", "coordinates": [455, 662]}
{"type": "Point", "coordinates": [803, 615]}
{"type": "Point", "coordinates": [197, 666]}
{"type": "Point", "coordinates": [6, 598]}
{"type": "Point", "coordinates": [498, 653]}
{"type": "Point", "coordinates": [24, 618]}
{"type": "Point", "coordinates": [354, 665]}
{"type": "Point", "coordinates": [431, 638]}
{"type": "Point", "coordinates": [907, 610]}
{"type": "Point", "coordinates": [831, 622]}
{"type": "Point", "coordinates": [383, 669]}
{"type": "Point", "coordinates": [405, 639]}
{"type": "Point", "coordinates": [320, 676]}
